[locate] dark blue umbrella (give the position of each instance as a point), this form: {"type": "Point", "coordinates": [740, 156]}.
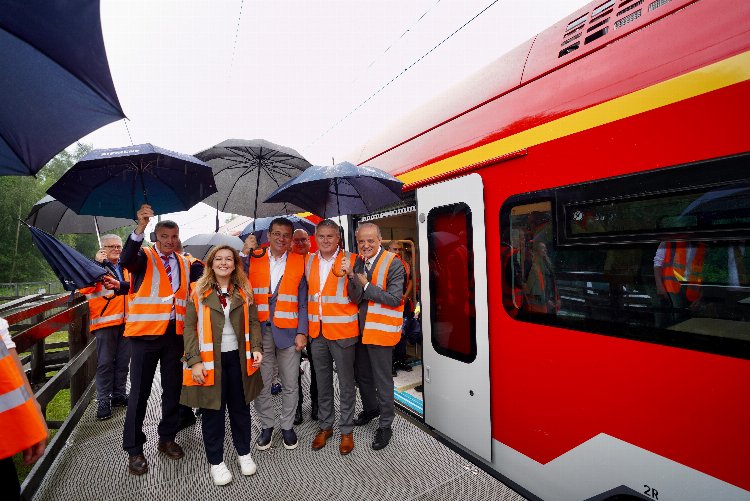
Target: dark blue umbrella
{"type": "Point", "coordinates": [199, 245]}
{"type": "Point", "coordinates": [262, 226]}
{"type": "Point", "coordinates": [117, 181]}
{"type": "Point", "coordinates": [74, 270]}
{"type": "Point", "coordinates": [55, 86]}
{"type": "Point", "coordinates": [339, 189]}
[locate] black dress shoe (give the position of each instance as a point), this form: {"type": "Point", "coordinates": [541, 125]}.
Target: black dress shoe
{"type": "Point", "coordinates": [298, 416]}
{"type": "Point", "coordinates": [314, 412]}
{"type": "Point", "coordinates": [365, 417]}
{"type": "Point", "coordinates": [137, 464]}
{"type": "Point", "coordinates": [171, 449]}
{"type": "Point", "coordinates": [382, 438]}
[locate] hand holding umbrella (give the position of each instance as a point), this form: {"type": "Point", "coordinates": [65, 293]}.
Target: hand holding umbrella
{"type": "Point", "coordinates": [143, 217]}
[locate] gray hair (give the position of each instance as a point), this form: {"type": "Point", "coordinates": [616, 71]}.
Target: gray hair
{"type": "Point", "coordinates": [110, 236]}
{"type": "Point", "coordinates": [369, 225]}
{"type": "Point", "coordinates": [327, 223]}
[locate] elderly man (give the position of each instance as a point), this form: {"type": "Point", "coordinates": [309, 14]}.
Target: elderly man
{"type": "Point", "coordinates": [376, 284]}
{"type": "Point", "coordinates": [334, 330]}
{"type": "Point", "coordinates": [280, 293]}
{"type": "Point", "coordinates": [107, 323]}
{"type": "Point", "coordinates": [155, 322]}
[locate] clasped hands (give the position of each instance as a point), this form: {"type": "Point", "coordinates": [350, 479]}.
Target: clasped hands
{"type": "Point", "coordinates": [346, 267]}
{"type": "Point", "coordinates": [200, 373]}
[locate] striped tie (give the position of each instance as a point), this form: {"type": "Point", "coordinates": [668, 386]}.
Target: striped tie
{"type": "Point", "coordinates": [167, 268]}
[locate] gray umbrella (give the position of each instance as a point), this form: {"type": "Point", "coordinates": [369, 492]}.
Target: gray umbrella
{"type": "Point", "coordinates": [247, 171]}
{"type": "Point", "coordinates": [199, 245]}
{"type": "Point", "coordinates": [56, 218]}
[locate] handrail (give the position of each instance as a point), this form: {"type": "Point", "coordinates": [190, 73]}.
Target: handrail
{"type": "Point", "coordinates": [37, 309]}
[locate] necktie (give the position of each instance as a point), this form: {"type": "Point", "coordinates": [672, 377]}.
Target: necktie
{"type": "Point", "coordinates": [167, 268]}
{"type": "Point", "coordinates": [368, 265]}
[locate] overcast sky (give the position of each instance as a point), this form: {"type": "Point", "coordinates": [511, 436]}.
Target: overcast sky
{"type": "Point", "coordinates": [190, 73]}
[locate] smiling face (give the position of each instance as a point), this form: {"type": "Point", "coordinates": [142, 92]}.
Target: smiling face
{"type": "Point", "coordinates": [279, 236]}
{"type": "Point", "coordinates": [168, 239]}
{"type": "Point", "coordinates": [327, 239]}
{"type": "Point", "coordinates": [113, 246]}
{"type": "Point", "coordinates": [368, 240]}
{"type": "Point", "coordinates": [300, 242]}
{"type": "Point", "coordinates": [223, 265]}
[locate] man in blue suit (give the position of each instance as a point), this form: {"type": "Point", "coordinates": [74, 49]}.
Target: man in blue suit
{"type": "Point", "coordinates": [280, 294]}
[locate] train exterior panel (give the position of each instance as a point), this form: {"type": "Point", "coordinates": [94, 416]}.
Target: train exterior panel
{"type": "Point", "coordinates": [598, 411]}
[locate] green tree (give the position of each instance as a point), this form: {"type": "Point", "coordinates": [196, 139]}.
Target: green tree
{"type": "Point", "coordinates": [19, 260]}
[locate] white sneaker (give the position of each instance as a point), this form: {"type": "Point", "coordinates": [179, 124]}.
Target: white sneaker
{"type": "Point", "coordinates": [247, 465]}
{"type": "Point", "coordinates": [220, 474]}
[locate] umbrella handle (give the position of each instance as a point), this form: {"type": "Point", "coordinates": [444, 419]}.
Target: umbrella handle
{"type": "Point", "coordinates": [338, 273]}
{"type": "Point", "coordinates": [254, 253]}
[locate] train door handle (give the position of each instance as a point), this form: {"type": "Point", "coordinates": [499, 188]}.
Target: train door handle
{"type": "Point", "coordinates": [426, 373]}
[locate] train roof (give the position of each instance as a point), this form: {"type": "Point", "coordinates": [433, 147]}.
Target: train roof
{"type": "Point", "coordinates": [584, 31]}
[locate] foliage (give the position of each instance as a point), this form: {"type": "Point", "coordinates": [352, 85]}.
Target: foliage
{"type": "Point", "coordinates": [19, 260]}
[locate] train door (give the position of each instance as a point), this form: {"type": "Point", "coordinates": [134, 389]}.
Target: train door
{"type": "Point", "coordinates": [454, 309]}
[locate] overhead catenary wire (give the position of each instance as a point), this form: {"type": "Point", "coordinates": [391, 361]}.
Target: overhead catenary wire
{"type": "Point", "coordinates": [236, 37]}
{"type": "Point", "coordinates": [384, 86]}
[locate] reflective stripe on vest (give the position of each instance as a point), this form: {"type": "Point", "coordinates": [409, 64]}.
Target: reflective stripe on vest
{"type": "Point", "coordinates": [204, 331]}
{"type": "Point", "coordinates": [106, 309]}
{"type": "Point", "coordinates": [340, 315]}
{"type": "Point", "coordinates": [286, 312]}
{"type": "Point", "coordinates": [151, 306]}
{"type": "Point", "coordinates": [383, 323]}
{"type": "Point", "coordinates": [20, 421]}
{"type": "Point", "coordinates": [676, 273]}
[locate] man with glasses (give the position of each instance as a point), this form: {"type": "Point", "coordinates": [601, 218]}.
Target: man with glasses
{"type": "Point", "coordinates": [107, 323]}
{"type": "Point", "coordinates": [280, 294]}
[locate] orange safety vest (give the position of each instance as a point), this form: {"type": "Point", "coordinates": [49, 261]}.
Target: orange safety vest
{"type": "Point", "coordinates": [20, 421]}
{"type": "Point", "coordinates": [151, 306]}
{"type": "Point", "coordinates": [206, 340]}
{"type": "Point", "coordinates": [286, 315]}
{"type": "Point", "coordinates": [675, 271]}
{"type": "Point", "coordinates": [383, 323]}
{"type": "Point", "coordinates": [106, 309]}
{"type": "Point", "coordinates": [340, 315]}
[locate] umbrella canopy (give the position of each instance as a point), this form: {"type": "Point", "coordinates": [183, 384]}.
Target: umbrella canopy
{"type": "Point", "coordinates": [262, 226]}
{"type": "Point", "coordinates": [339, 189]}
{"type": "Point", "coordinates": [117, 181]}
{"type": "Point", "coordinates": [72, 268]}
{"type": "Point", "coordinates": [56, 84]}
{"type": "Point", "coordinates": [247, 171]}
{"type": "Point", "coordinates": [199, 245]}
{"type": "Point", "coordinates": [54, 217]}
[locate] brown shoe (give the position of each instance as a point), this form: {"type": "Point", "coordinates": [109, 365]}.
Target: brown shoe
{"type": "Point", "coordinates": [137, 464]}
{"type": "Point", "coordinates": [172, 450]}
{"type": "Point", "coordinates": [321, 438]}
{"type": "Point", "coordinates": [347, 443]}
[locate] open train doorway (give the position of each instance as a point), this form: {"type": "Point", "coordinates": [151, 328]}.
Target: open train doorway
{"type": "Point", "coordinates": [398, 226]}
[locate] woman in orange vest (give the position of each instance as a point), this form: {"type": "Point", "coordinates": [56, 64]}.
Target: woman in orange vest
{"type": "Point", "coordinates": [22, 425]}
{"type": "Point", "coordinates": [222, 355]}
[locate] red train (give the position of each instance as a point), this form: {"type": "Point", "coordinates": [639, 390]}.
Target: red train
{"type": "Point", "coordinates": [581, 217]}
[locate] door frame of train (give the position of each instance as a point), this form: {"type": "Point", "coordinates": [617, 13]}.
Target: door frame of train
{"type": "Point", "coordinates": [457, 393]}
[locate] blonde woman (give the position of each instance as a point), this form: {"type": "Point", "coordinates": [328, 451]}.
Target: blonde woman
{"type": "Point", "coordinates": [221, 333]}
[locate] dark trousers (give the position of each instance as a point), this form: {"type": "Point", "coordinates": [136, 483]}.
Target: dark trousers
{"type": "Point", "coordinates": [166, 351]}
{"type": "Point", "coordinates": [112, 360]}
{"type": "Point", "coordinates": [233, 399]}
{"type": "Point", "coordinates": [9, 480]}
{"type": "Point", "coordinates": [313, 382]}
{"type": "Point", "coordinates": [372, 371]}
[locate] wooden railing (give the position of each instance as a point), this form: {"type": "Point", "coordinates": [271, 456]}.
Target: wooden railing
{"type": "Point", "coordinates": [32, 320]}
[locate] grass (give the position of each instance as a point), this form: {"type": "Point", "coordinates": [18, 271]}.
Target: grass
{"type": "Point", "coordinates": [57, 410]}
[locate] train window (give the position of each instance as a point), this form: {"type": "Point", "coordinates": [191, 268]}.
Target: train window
{"type": "Point", "coordinates": [451, 258]}
{"type": "Point", "coordinates": [692, 291]}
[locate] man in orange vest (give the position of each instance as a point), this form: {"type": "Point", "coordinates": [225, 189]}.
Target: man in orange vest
{"type": "Point", "coordinates": [334, 330]}
{"type": "Point", "coordinates": [22, 425]}
{"type": "Point", "coordinates": [376, 284]}
{"type": "Point", "coordinates": [280, 294]}
{"type": "Point", "coordinates": [155, 321]}
{"type": "Point", "coordinates": [107, 314]}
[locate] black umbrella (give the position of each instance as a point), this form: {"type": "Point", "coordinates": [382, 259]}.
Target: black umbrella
{"type": "Point", "coordinates": [74, 270]}
{"type": "Point", "coordinates": [56, 218]}
{"type": "Point", "coordinates": [339, 189]}
{"type": "Point", "coordinates": [261, 226]}
{"type": "Point", "coordinates": [117, 181]}
{"type": "Point", "coordinates": [199, 245]}
{"type": "Point", "coordinates": [56, 86]}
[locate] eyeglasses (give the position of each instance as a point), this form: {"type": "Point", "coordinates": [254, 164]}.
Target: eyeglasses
{"type": "Point", "coordinates": [112, 246]}
{"type": "Point", "coordinates": [278, 234]}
